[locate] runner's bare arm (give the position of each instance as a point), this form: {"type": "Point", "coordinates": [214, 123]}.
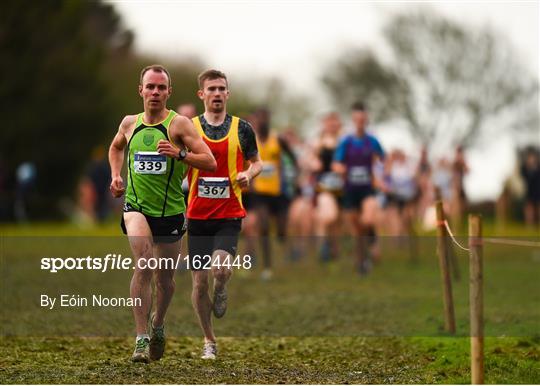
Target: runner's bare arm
{"type": "Point", "coordinates": [339, 167]}
{"type": "Point", "coordinates": [184, 135]}
{"type": "Point", "coordinates": [255, 166]}
{"type": "Point", "coordinates": [116, 156]}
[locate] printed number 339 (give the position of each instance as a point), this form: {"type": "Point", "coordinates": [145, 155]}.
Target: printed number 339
{"type": "Point", "coordinates": [149, 165]}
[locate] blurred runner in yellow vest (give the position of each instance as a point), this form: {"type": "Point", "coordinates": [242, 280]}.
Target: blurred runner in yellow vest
{"type": "Point", "coordinates": [269, 195]}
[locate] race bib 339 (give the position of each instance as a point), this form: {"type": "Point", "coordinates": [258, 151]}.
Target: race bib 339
{"type": "Point", "coordinates": [149, 162]}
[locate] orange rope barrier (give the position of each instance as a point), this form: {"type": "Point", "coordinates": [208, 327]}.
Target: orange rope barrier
{"type": "Point", "coordinates": [478, 242]}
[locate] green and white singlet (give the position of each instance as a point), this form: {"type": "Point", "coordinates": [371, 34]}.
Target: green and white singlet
{"type": "Point", "coordinates": [154, 185]}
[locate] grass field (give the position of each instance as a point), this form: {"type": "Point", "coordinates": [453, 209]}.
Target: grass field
{"type": "Point", "coordinates": [312, 323]}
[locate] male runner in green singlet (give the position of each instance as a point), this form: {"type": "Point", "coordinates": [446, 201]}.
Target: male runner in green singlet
{"type": "Point", "coordinates": [154, 206]}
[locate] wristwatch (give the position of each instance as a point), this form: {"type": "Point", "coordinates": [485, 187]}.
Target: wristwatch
{"type": "Point", "coordinates": [182, 154]}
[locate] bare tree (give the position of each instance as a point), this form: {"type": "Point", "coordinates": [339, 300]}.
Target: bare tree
{"type": "Point", "coordinates": [359, 75]}
{"type": "Point", "coordinates": [450, 83]}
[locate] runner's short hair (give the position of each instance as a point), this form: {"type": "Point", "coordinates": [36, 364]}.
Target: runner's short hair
{"type": "Point", "coordinates": [211, 75]}
{"type": "Point", "coordinates": [358, 106]}
{"type": "Point", "coordinates": [155, 68]}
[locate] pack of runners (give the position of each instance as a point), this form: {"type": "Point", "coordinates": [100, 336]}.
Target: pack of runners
{"type": "Point", "coordinates": [205, 173]}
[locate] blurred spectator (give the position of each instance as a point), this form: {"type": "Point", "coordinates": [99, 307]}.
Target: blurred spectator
{"type": "Point", "coordinates": [99, 176]}
{"type": "Point", "coordinates": [187, 109]}
{"type": "Point", "coordinates": [329, 187]}
{"type": "Point", "coordinates": [300, 217]}
{"type": "Point", "coordinates": [442, 179]}
{"type": "Point", "coordinates": [459, 199]}
{"type": "Point", "coordinates": [289, 169]}
{"type": "Point", "coordinates": [85, 213]}
{"type": "Point", "coordinates": [402, 192]}
{"type": "Point", "coordinates": [425, 185]}
{"type": "Point", "coordinates": [530, 171]}
{"type": "Point", "coordinates": [26, 179]}
{"type": "Point", "coordinates": [5, 199]}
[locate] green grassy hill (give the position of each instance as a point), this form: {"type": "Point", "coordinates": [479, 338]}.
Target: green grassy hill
{"type": "Point", "coordinates": [312, 323]}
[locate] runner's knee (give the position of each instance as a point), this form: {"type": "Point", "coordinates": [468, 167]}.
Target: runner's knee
{"type": "Point", "coordinates": [165, 283]}
{"type": "Point", "coordinates": [222, 274]}
{"type": "Point", "coordinates": [142, 272]}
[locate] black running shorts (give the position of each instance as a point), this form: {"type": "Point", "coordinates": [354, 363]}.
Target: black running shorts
{"type": "Point", "coordinates": [167, 229]}
{"type": "Point", "coordinates": [207, 236]}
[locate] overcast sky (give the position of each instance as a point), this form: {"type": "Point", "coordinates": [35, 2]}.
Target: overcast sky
{"type": "Point", "coordinates": [294, 40]}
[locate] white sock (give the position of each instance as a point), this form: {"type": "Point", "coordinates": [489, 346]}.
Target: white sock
{"type": "Point", "coordinates": [142, 336]}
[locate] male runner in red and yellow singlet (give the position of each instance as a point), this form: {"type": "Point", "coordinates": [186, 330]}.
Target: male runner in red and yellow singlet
{"type": "Point", "coordinates": [215, 209]}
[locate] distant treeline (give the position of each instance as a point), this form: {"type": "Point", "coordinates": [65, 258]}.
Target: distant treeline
{"type": "Point", "coordinates": [70, 74]}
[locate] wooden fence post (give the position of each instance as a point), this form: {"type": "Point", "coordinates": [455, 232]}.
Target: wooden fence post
{"type": "Point", "coordinates": [476, 299]}
{"type": "Point", "coordinates": [449, 317]}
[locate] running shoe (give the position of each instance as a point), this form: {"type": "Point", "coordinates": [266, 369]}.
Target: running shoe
{"type": "Point", "coordinates": [142, 351]}
{"type": "Point", "coordinates": [266, 274]}
{"type": "Point", "coordinates": [325, 253]}
{"type": "Point", "coordinates": [365, 266]}
{"type": "Point", "coordinates": [157, 341]}
{"type": "Point", "coordinates": [220, 302]}
{"type": "Point", "coordinates": [209, 350]}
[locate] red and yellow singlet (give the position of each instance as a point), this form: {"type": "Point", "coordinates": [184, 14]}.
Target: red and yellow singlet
{"type": "Point", "coordinates": [217, 195]}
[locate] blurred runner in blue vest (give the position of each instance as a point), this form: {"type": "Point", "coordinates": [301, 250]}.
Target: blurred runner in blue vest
{"type": "Point", "coordinates": [354, 159]}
